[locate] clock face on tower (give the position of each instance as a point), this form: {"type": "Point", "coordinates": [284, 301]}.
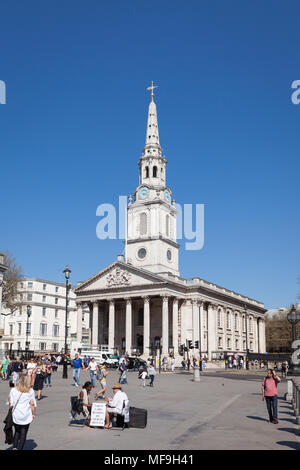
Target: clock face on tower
{"type": "Point", "coordinates": [143, 193]}
{"type": "Point", "coordinates": [167, 196]}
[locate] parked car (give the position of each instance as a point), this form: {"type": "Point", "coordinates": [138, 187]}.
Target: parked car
{"type": "Point", "coordinates": [140, 362]}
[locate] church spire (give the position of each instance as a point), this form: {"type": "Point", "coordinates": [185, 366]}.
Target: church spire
{"type": "Point", "coordinates": [152, 136]}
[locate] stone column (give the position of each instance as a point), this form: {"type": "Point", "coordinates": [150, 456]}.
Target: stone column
{"type": "Point", "coordinates": [146, 326]}
{"type": "Point", "coordinates": [211, 330]}
{"type": "Point", "coordinates": [195, 324]}
{"type": "Point", "coordinates": [175, 326]}
{"type": "Point", "coordinates": [165, 325]}
{"type": "Point", "coordinates": [201, 328]}
{"type": "Point", "coordinates": [128, 326]}
{"type": "Point", "coordinates": [111, 325]}
{"type": "Point", "coordinates": [79, 322]}
{"type": "Point", "coordinates": [95, 324]}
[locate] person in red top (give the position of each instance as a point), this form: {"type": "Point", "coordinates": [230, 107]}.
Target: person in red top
{"type": "Point", "coordinates": [269, 392]}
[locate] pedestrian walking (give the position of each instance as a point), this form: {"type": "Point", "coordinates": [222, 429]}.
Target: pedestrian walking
{"type": "Point", "coordinates": [4, 368]}
{"type": "Point", "coordinates": [40, 374]}
{"type": "Point", "coordinates": [23, 404]}
{"type": "Point", "coordinates": [77, 365]}
{"type": "Point", "coordinates": [103, 375]}
{"type": "Point", "coordinates": [17, 367]}
{"type": "Point", "coordinates": [31, 366]}
{"type": "Point", "coordinates": [172, 362]}
{"type": "Point", "coordinates": [143, 376]}
{"type": "Point", "coordinates": [93, 368]}
{"type": "Point", "coordinates": [47, 380]}
{"type": "Point", "coordinates": [123, 377]}
{"type": "Point", "coordinates": [151, 373]}
{"type": "Point", "coordinates": [269, 393]}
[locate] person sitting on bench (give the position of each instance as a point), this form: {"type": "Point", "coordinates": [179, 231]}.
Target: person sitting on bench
{"type": "Point", "coordinates": [115, 405]}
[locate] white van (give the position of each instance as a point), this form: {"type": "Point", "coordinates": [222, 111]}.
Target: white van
{"type": "Point", "coordinates": [101, 357]}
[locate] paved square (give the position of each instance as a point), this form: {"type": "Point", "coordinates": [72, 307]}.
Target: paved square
{"type": "Point", "coordinates": [223, 411]}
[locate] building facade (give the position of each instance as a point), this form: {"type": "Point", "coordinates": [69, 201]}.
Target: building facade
{"type": "Point", "coordinates": [140, 302]}
{"type": "Point", "coordinates": [44, 328]}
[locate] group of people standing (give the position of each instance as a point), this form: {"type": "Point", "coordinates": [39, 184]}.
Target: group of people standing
{"type": "Point", "coordinates": [39, 369]}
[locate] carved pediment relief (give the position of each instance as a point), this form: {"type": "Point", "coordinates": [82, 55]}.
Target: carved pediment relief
{"type": "Point", "coordinates": [118, 278]}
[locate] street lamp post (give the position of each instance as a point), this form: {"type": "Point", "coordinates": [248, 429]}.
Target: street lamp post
{"type": "Point", "coordinates": [67, 273]}
{"type": "Point", "coordinates": [247, 348]}
{"type": "Point", "coordinates": [27, 326]}
{"type": "Point", "coordinates": [293, 317]}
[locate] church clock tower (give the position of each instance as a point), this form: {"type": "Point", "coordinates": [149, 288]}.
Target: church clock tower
{"type": "Point", "coordinates": [151, 240]}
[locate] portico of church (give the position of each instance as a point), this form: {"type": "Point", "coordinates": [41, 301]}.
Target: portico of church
{"type": "Point", "coordinates": [135, 311]}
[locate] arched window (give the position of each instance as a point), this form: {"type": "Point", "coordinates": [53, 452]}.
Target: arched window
{"type": "Point", "coordinates": [236, 323]}
{"type": "Point", "coordinates": [147, 172]}
{"type": "Point", "coordinates": [143, 223]}
{"type": "Point", "coordinates": [228, 320]}
{"type": "Point", "coordinates": [154, 171]}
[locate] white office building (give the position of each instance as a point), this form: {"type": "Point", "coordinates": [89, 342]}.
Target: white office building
{"type": "Point", "coordinates": [44, 327]}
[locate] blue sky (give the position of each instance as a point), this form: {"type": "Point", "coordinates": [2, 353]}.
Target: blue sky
{"type": "Point", "coordinates": [73, 129]}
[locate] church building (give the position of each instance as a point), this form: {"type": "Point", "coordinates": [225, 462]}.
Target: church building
{"type": "Point", "coordinates": [140, 302]}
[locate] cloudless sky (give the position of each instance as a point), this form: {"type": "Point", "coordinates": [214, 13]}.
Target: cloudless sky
{"type": "Point", "coordinates": [73, 128]}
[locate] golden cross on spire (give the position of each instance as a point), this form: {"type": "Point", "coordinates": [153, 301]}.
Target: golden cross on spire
{"type": "Point", "coordinates": [152, 88]}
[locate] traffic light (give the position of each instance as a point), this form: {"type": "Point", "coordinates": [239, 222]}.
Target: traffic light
{"type": "Point", "coordinates": [190, 344]}
{"type": "Point", "coordinates": [196, 344]}
{"type": "Point", "coordinates": [181, 349]}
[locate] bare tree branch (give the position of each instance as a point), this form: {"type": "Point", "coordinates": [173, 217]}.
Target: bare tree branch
{"type": "Point", "coordinates": [10, 283]}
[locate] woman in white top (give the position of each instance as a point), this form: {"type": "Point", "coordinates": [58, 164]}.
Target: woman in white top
{"type": "Point", "coordinates": [22, 401]}
{"type": "Point", "coordinates": [30, 369]}
{"type": "Point", "coordinates": [93, 367]}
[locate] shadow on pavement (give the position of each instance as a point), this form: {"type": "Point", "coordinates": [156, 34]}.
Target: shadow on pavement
{"type": "Point", "coordinates": [291, 430]}
{"type": "Point", "coordinates": [30, 445]}
{"type": "Point", "coordinates": [258, 418]}
{"type": "Point", "coordinates": [292, 445]}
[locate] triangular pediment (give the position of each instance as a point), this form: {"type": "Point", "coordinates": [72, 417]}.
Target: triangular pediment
{"type": "Point", "coordinates": [119, 275]}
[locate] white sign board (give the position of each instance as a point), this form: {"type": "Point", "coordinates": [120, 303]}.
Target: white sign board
{"type": "Point", "coordinates": [98, 414]}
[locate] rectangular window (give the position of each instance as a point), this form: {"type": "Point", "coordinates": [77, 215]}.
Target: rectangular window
{"type": "Point", "coordinates": [56, 289]}
{"type": "Point", "coordinates": [30, 285]}
{"type": "Point", "coordinates": [11, 329]}
{"type": "Point", "coordinates": [43, 346]}
{"type": "Point", "coordinates": [55, 347]}
{"type": "Point", "coordinates": [29, 297]}
{"type": "Point", "coordinates": [56, 300]}
{"type": "Point", "coordinates": [28, 329]}
{"type": "Point", "coordinates": [19, 328]}
{"type": "Point", "coordinates": [44, 311]}
{"type": "Point", "coordinates": [44, 286]}
{"type": "Point", "coordinates": [43, 329]}
{"type": "Point", "coordinates": [55, 330]}
{"type": "Point", "coordinates": [56, 313]}
{"type": "Point", "coordinates": [18, 345]}
{"type": "Point", "coordinates": [44, 298]}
